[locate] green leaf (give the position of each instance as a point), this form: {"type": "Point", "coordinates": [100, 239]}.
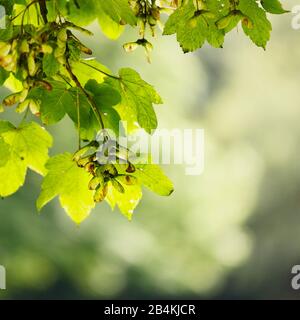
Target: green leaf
{"type": "Point", "coordinates": [151, 176]}
{"type": "Point", "coordinates": [233, 22]}
{"type": "Point", "coordinates": [104, 95]}
{"type": "Point", "coordinates": [178, 19]}
{"type": "Point", "coordinates": [192, 35]}
{"type": "Point", "coordinates": [219, 8]}
{"type": "Point", "coordinates": [83, 15]}
{"type": "Point", "coordinates": [89, 69]}
{"type": "Point", "coordinates": [53, 103]}
{"type": "Point", "coordinates": [126, 202]}
{"type": "Point", "coordinates": [111, 119]}
{"type": "Point", "coordinates": [50, 65]}
{"type": "Point", "coordinates": [4, 152]}
{"type": "Point", "coordinates": [5, 126]}
{"type": "Point", "coordinates": [3, 76]}
{"type": "Point", "coordinates": [13, 84]}
{"type": "Point", "coordinates": [105, 98]}
{"type": "Point", "coordinates": [89, 125]}
{"type": "Point", "coordinates": [28, 148]}
{"type": "Point", "coordinates": [260, 29]}
{"type": "Point", "coordinates": [29, 14]}
{"type": "Point", "coordinates": [87, 120]}
{"type": "Point", "coordinates": [138, 98]}
{"type": "Point", "coordinates": [7, 33]}
{"type": "Point", "coordinates": [70, 183]}
{"type": "Point", "coordinates": [109, 27]}
{"type": "Point", "coordinates": [8, 5]}
{"type": "Point", "coordinates": [273, 6]}
{"type": "Point", "coordinates": [118, 11]}
{"type": "Point", "coordinates": [193, 27]}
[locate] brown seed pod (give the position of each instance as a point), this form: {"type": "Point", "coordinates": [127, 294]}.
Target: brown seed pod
{"type": "Point", "coordinates": [130, 168]}
{"type": "Point", "coordinates": [90, 167]}
{"type": "Point", "coordinates": [128, 180]}
{"type": "Point", "coordinates": [46, 85]}
{"type": "Point", "coordinates": [12, 99]}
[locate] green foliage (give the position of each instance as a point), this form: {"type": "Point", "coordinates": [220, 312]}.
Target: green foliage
{"type": "Point", "coordinates": [255, 25]}
{"type": "Point", "coordinates": [273, 6]}
{"type": "Point", "coordinates": [44, 63]}
{"type": "Point", "coordinates": [211, 20]}
{"type": "Point", "coordinates": [53, 103]}
{"type": "Point", "coordinates": [26, 147]}
{"type": "Point", "coordinates": [138, 98]}
{"type": "Point", "coordinates": [117, 10]}
{"type": "Point", "coordinates": [66, 180]}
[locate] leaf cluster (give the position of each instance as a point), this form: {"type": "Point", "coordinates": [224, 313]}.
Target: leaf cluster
{"type": "Point", "coordinates": [47, 68]}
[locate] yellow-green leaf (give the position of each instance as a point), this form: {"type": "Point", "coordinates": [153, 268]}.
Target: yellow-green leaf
{"type": "Point", "coordinates": [126, 202]}
{"type": "Point", "coordinates": [70, 183]}
{"type": "Point", "coordinates": [27, 148]}
{"type": "Point", "coordinates": [109, 27]}
{"type": "Point", "coordinates": [152, 176]}
{"type": "Point", "coordinates": [138, 98]}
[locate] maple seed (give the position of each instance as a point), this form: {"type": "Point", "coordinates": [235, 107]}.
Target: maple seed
{"type": "Point", "coordinates": [46, 49]}
{"type": "Point", "coordinates": [130, 168]}
{"type": "Point", "coordinates": [117, 185]}
{"type": "Point", "coordinates": [85, 49]}
{"type": "Point", "coordinates": [4, 49]}
{"type": "Point", "coordinates": [89, 167]}
{"type": "Point", "coordinates": [248, 23]}
{"type": "Point", "coordinates": [130, 46]}
{"type": "Point", "coordinates": [128, 180]}
{"type": "Point", "coordinates": [22, 106]}
{"type": "Point", "coordinates": [94, 183]}
{"type": "Point", "coordinates": [31, 64]}
{"type": "Point", "coordinates": [82, 162]}
{"type": "Point", "coordinates": [34, 107]}
{"type": "Point", "coordinates": [108, 170]}
{"type": "Point", "coordinates": [62, 35]}
{"type": "Point", "coordinates": [24, 48]}
{"type": "Point", "coordinates": [101, 193]}
{"type": "Point", "coordinates": [46, 85]}
{"type": "Point", "coordinates": [12, 99]}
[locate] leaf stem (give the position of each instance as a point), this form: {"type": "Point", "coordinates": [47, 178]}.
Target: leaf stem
{"type": "Point", "coordinates": [66, 81]}
{"type": "Point", "coordinates": [78, 119]}
{"type": "Point", "coordinates": [101, 71]}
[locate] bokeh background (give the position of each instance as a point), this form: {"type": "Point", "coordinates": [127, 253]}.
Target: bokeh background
{"type": "Point", "coordinates": [231, 233]}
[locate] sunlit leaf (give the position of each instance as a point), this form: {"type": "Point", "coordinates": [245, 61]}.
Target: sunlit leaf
{"type": "Point", "coordinates": [70, 183]}
{"type": "Point", "coordinates": [28, 148]}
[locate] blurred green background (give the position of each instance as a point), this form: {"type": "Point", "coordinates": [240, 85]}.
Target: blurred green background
{"type": "Point", "coordinates": [233, 232]}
